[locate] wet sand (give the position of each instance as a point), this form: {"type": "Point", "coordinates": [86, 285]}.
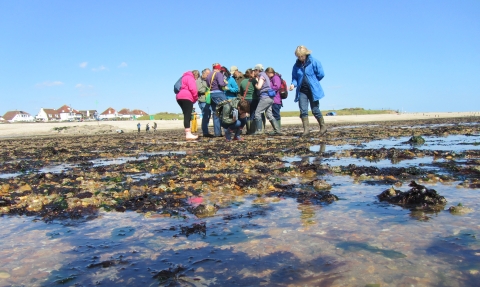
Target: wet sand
{"type": "Point", "coordinates": [39, 129]}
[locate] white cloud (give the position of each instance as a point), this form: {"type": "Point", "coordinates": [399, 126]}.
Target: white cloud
{"type": "Point", "coordinates": [101, 68]}
{"type": "Point", "coordinates": [123, 65]}
{"type": "Point", "coordinates": [49, 84]}
{"type": "Point", "coordinates": [83, 64]}
{"type": "Point", "coordinates": [82, 86]}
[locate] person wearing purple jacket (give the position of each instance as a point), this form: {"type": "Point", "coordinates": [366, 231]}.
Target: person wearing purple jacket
{"type": "Point", "coordinates": [216, 83]}
{"type": "Point", "coordinates": [275, 83]}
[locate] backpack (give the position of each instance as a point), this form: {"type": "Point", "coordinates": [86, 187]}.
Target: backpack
{"type": "Point", "coordinates": [283, 88]}
{"type": "Point", "coordinates": [177, 86]}
{"type": "Point", "coordinates": [227, 111]}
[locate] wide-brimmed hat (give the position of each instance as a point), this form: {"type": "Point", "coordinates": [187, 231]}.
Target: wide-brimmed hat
{"type": "Point", "coordinates": [233, 69]}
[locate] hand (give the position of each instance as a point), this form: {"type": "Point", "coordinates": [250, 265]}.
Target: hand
{"type": "Point", "coordinates": [291, 87]}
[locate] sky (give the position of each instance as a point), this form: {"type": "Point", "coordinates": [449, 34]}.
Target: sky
{"type": "Point", "coordinates": [408, 55]}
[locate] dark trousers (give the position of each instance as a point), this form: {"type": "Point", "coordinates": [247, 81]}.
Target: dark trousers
{"type": "Point", "coordinates": [187, 107]}
{"type": "Point", "coordinates": [276, 111]}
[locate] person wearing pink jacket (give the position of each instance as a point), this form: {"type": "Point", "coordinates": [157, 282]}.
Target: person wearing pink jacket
{"type": "Point", "coordinates": [187, 96]}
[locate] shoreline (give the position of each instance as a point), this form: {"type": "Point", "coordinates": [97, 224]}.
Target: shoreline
{"type": "Point", "coordinates": [14, 130]}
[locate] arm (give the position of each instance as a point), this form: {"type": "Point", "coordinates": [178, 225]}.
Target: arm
{"type": "Point", "coordinates": [318, 70]}
{"type": "Point", "coordinates": [192, 87]}
{"type": "Point", "coordinates": [242, 89]}
{"type": "Point", "coordinates": [294, 77]}
{"type": "Point", "coordinates": [201, 87]}
{"type": "Point", "coordinates": [232, 85]}
{"type": "Point", "coordinates": [275, 81]}
{"type": "Point", "coordinates": [220, 80]}
{"type": "Point", "coordinates": [259, 84]}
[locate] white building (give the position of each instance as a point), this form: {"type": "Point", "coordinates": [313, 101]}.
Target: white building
{"type": "Point", "coordinates": [18, 116]}
{"type": "Point", "coordinates": [108, 114]}
{"type": "Point", "coordinates": [46, 115]}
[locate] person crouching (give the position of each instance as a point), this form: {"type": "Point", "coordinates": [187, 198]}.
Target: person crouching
{"type": "Point", "coordinates": [236, 128]}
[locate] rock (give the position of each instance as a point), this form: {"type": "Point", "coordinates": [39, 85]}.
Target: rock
{"type": "Point", "coordinates": [321, 185]}
{"type": "Point", "coordinates": [416, 140]}
{"type": "Point", "coordinates": [203, 210]}
{"type": "Point", "coordinates": [418, 195]}
{"type": "Point", "coordinates": [459, 209]}
{"type": "Point", "coordinates": [4, 275]}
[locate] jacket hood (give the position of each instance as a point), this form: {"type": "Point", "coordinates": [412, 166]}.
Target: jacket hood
{"type": "Point", "coordinates": [189, 73]}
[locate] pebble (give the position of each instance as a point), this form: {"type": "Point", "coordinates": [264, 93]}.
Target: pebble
{"type": "Point", "coordinates": [4, 275]}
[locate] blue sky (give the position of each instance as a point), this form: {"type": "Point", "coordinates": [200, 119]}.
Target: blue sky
{"type": "Point", "coordinates": [411, 55]}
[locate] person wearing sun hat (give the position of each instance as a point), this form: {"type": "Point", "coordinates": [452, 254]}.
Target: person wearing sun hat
{"type": "Point", "coordinates": [265, 103]}
{"type": "Point", "coordinates": [238, 76]}
{"type": "Point", "coordinates": [216, 82]}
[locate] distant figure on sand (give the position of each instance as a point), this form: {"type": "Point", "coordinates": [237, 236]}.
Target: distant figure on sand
{"type": "Point", "coordinates": [138, 127]}
{"type": "Point", "coordinates": [147, 128]}
{"type": "Point", "coordinates": [154, 126]}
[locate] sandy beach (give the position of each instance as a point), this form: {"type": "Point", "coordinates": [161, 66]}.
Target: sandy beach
{"type": "Point", "coordinates": [8, 130]}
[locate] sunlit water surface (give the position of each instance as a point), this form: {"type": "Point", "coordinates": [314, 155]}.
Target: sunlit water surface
{"type": "Point", "coordinates": [268, 241]}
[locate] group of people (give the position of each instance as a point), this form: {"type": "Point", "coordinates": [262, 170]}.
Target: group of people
{"type": "Point", "coordinates": [147, 127]}
{"type": "Point", "coordinates": [258, 91]}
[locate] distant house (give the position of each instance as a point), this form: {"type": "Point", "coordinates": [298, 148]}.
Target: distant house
{"type": "Point", "coordinates": [47, 115]}
{"type": "Point", "coordinates": [18, 116]}
{"type": "Point", "coordinates": [125, 113]}
{"type": "Point", "coordinates": [138, 113]}
{"type": "Point", "coordinates": [88, 114]}
{"type": "Point", "coordinates": [67, 113]}
{"type": "Point", "coordinates": [109, 113]}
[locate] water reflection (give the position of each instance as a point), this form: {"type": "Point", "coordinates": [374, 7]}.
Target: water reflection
{"type": "Point", "coordinates": [354, 241]}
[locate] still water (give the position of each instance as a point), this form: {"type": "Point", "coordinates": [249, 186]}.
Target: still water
{"type": "Point", "coordinates": [260, 240]}
{"type": "Point", "coordinates": [256, 241]}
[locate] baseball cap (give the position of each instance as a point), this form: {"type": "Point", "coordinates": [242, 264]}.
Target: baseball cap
{"type": "Point", "coordinates": [233, 69]}
{"type": "Point", "coordinates": [258, 67]}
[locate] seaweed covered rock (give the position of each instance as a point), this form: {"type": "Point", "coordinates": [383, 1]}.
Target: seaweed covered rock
{"type": "Point", "coordinates": [460, 209]}
{"type": "Point", "coordinates": [416, 140]}
{"type": "Point", "coordinates": [203, 210]}
{"type": "Point", "coordinates": [418, 195]}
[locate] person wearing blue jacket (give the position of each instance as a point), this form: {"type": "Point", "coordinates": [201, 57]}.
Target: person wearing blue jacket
{"type": "Point", "coordinates": [306, 76]}
{"type": "Point", "coordinates": [231, 89]}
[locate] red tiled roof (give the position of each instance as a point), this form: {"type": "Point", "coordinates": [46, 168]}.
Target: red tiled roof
{"type": "Point", "coordinates": [11, 114]}
{"type": "Point", "coordinates": [109, 111]}
{"type": "Point", "coordinates": [125, 112]}
{"type": "Point", "coordinates": [139, 112]}
{"type": "Point", "coordinates": [66, 109]}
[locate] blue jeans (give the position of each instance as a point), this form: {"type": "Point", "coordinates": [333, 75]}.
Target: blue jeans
{"type": "Point", "coordinates": [276, 111]}
{"type": "Point", "coordinates": [206, 114]}
{"type": "Point", "coordinates": [216, 97]}
{"type": "Point", "coordinates": [236, 127]}
{"type": "Point", "coordinates": [303, 101]}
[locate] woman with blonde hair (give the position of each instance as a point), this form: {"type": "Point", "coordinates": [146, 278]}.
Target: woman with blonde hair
{"type": "Point", "coordinates": [306, 76]}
